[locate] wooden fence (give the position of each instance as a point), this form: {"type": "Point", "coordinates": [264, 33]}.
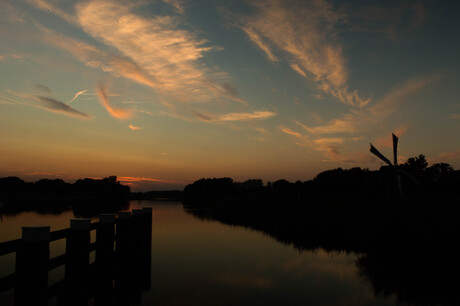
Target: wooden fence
{"type": "Point", "coordinates": [120, 272]}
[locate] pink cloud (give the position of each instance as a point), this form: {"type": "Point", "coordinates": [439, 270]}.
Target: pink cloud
{"type": "Point", "coordinates": [112, 110]}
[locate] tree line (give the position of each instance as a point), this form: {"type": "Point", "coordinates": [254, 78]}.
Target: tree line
{"type": "Point", "coordinates": [13, 187]}
{"type": "Point", "coordinates": [439, 179]}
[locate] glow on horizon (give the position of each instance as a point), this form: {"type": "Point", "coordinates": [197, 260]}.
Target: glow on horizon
{"type": "Point", "coordinates": [162, 93]}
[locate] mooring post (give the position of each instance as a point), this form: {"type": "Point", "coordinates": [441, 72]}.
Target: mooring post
{"type": "Point", "coordinates": [77, 262]}
{"type": "Point", "coordinates": [123, 283]}
{"type": "Point", "coordinates": [105, 238]}
{"type": "Point", "coordinates": [32, 258]}
{"type": "Point", "coordinates": [147, 253]}
{"type": "Point", "coordinates": [137, 251]}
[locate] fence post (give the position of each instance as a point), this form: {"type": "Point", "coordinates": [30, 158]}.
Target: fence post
{"type": "Point", "coordinates": [123, 284]}
{"type": "Point", "coordinates": [77, 262]}
{"type": "Point", "coordinates": [147, 254]}
{"type": "Point", "coordinates": [32, 258]}
{"type": "Point", "coordinates": [137, 251]}
{"type": "Point", "coordinates": [105, 238]}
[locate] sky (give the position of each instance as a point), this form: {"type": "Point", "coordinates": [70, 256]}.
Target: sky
{"type": "Point", "coordinates": [161, 93]}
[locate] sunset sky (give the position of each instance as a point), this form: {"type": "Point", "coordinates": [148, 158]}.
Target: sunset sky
{"type": "Point", "coordinates": [164, 92]}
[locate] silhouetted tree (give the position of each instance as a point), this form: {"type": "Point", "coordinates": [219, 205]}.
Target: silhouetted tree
{"type": "Point", "coordinates": [11, 185]}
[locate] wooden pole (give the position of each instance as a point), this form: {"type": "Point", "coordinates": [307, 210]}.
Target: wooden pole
{"type": "Point", "coordinates": [123, 284]}
{"type": "Point", "coordinates": [147, 253]}
{"type": "Point", "coordinates": [32, 258]}
{"type": "Point", "coordinates": [77, 263]}
{"type": "Point", "coordinates": [105, 238]}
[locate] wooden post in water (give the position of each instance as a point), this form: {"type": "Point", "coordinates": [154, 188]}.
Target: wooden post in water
{"type": "Point", "coordinates": [105, 238]}
{"type": "Point", "coordinates": [77, 262]}
{"type": "Point", "coordinates": [137, 250]}
{"type": "Point", "coordinates": [147, 253]}
{"type": "Point", "coordinates": [32, 258]}
{"type": "Point", "coordinates": [123, 283]}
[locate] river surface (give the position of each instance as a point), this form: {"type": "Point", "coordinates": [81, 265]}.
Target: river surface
{"type": "Point", "coordinates": [196, 262]}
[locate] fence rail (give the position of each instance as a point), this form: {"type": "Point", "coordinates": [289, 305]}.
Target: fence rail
{"type": "Point", "coordinates": [122, 253]}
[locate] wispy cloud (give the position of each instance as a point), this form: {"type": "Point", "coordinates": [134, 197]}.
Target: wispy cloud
{"type": "Point", "coordinates": [135, 128]}
{"type": "Point", "coordinates": [8, 100]}
{"type": "Point", "coordinates": [324, 137]}
{"type": "Point", "coordinates": [232, 117]}
{"type": "Point", "coordinates": [60, 107]}
{"type": "Point", "coordinates": [77, 95]}
{"type": "Point", "coordinates": [149, 183]}
{"type": "Point", "coordinates": [114, 111]}
{"type": "Point", "coordinates": [167, 55]}
{"type": "Point", "coordinates": [255, 38]}
{"type": "Point", "coordinates": [43, 88]}
{"type": "Point", "coordinates": [304, 30]}
{"type": "Point", "coordinates": [261, 115]}
{"type": "Point", "coordinates": [445, 157]}
{"type": "Point", "coordinates": [290, 132]}
{"type": "Point", "coordinates": [178, 5]}
{"type": "Point", "coordinates": [50, 7]}
{"type": "Point", "coordinates": [367, 117]}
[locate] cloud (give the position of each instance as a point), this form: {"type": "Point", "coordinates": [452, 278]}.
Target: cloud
{"type": "Point", "coordinates": [142, 179]}
{"type": "Point", "coordinates": [391, 102]}
{"type": "Point", "coordinates": [358, 121]}
{"type": "Point", "coordinates": [7, 100]}
{"type": "Point", "coordinates": [114, 111]}
{"type": "Point", "coordinates": [304, 32]}
{"type": "Point", "coordinates": [60, 107]}
{"type": "Point", "coordinates": [329, 141]}
{"type": "Point", "coordinates": [160, 54]}
{"type": "Point", "coordinates": [255, 38]}
{"type": "Point", "coordinates": [149, 183]}
{"type": "Point", "coordinates": [261, 115]}
{"type": "Point", "coordinates": [290, 132]}
{"type": "Point", "coordinates": [445, 157]}
{"type": "Point", "coordinates": [77, 95]}
{"type": "Point", "coordinates": [332, 153]}
{"type": "Point", "coordinates": [49, 7]}
{"type": "Point", "coordinates": [178, 5]}
{"type": "Point", "coordinates": [370, 115]}
{"type": "Point", "coordinates": [135, 128]}
{"type": "Point", "coordinates": [43, 88]}
{"type": "Point", "coordinates": [231, 117]}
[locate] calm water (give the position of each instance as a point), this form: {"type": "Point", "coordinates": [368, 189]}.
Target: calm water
{"type": "Point", "coordinates": [197, 262]}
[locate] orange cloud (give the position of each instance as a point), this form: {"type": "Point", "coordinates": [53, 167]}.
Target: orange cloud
{"type": "Point", "coordinates": [246, 116]}
{"type": "Point", "coordinates": [135, 128]}
{"type": "Point", "coordinates": [290, 132]}
{"type": "Point", "coordinates": [113, 111]}
{"type": "Point", "coordinates": [168, 55]}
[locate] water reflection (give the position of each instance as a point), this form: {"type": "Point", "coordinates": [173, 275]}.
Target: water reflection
{"type": "Point", "coordinates": [195, 261]}
{"type": "Point", "coordinates": [409, 273]}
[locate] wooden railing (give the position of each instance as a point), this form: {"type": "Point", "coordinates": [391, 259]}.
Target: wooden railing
{"type": "Point", "coordinates": [121, 268]}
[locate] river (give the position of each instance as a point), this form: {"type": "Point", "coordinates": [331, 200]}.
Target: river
{"type": "Point", "coordinates": [200, 262]}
